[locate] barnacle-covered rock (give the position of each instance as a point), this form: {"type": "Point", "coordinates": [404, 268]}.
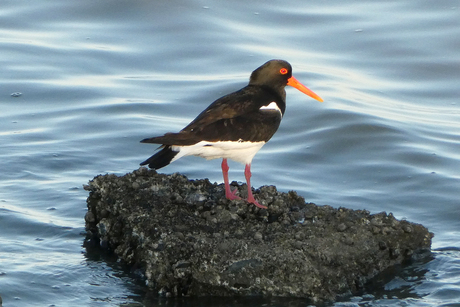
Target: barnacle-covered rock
{"type": "Point", "coordinates": [188, 239]}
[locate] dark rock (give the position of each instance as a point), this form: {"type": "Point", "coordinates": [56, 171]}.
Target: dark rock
{"type": "Point", "coordinates": [187, 239]}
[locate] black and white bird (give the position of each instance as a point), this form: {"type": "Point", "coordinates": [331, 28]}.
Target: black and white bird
{"type": "Point", "coordinates": [235, 126]}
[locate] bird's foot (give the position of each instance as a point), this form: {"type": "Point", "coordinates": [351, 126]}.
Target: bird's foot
{"type": "Point", "coordinates": [252, 200]}
{"type": "Point", "coordinates": [231, 195]}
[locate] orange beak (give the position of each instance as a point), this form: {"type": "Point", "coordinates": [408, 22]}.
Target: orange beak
{"type": "Point", "coordinates": [294, 83]}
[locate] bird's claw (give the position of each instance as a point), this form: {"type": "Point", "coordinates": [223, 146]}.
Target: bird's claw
{"type": "Point", "coordinates": [255, 202]}
{"type": "Point", "coordinates": [231, 195]}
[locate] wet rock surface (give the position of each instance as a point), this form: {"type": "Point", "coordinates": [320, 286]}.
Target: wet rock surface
{"type": "Point", "coordinates": [185, 238]}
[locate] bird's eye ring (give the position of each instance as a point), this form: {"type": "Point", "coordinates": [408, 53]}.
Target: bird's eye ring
{"type": "Point", "coordinates": [283, 71]}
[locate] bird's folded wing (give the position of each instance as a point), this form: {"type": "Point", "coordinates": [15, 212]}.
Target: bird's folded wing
{"type": "Point", "coordinates": [240, 103]}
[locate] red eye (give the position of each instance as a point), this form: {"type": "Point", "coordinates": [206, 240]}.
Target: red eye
{"type": "Point", "coordinates": [283, 71]}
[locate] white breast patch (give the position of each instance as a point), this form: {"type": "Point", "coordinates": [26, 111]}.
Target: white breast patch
{"type": "Point", "coordinates": [271, 106]}
{"type": "Point", "coordinates": [239, 151]}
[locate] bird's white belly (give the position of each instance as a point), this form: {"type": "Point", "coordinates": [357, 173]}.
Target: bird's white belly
{"type": "Point", "coordinates": [240, 151]}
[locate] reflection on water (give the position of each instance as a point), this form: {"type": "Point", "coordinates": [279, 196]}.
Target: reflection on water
{"type": "Point", "coordinates": [95, 78]}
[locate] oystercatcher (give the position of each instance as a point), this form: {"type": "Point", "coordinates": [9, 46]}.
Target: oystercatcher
{"type": "Point", "coordinates": [234, 126]}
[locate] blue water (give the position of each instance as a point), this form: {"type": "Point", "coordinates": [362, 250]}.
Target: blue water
{"type": "Point", "coordinates": [91, 78]}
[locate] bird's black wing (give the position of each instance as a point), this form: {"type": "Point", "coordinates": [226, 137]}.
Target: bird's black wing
{"type": "Point", "coordinates": [230, 117]}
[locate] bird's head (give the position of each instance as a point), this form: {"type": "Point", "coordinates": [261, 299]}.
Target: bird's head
{"type": "Point", "coordinates": [276, 74]}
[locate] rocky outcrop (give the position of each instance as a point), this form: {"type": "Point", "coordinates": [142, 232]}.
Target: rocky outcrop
{"type": "Point", "coordinates": [187, 239]}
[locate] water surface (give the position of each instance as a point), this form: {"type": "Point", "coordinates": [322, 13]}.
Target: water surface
{"type": "Point", "coordinates": [92, 78]}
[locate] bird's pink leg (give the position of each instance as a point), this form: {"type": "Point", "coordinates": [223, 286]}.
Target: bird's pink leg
{"type": "Point", "coordinates": [251, 199]}
{"type": "Point", "coordinates": [228, 192]}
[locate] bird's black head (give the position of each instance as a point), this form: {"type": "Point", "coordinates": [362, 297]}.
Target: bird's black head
{"type": "Point", "coordinates": [274, 73]}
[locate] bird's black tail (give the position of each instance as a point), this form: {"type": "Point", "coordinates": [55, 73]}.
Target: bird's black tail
{"type": "Point", "coordinates": [161, 158]}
